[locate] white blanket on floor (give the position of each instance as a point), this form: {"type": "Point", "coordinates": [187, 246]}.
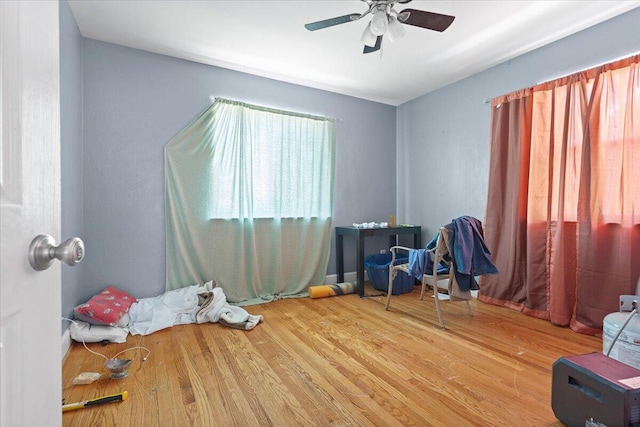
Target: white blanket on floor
{"type": "Point", "coordinates": [191, 304]}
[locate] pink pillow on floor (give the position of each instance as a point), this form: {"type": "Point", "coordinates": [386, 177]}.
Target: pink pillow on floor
{"type": "Point", "coordinates": [106, 308]}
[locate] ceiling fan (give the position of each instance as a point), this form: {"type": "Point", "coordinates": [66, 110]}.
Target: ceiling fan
{"type": "Point", "coordinates": [385, 20]}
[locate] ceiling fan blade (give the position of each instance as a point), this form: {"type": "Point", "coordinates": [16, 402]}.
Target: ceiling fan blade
{"type": "Point", "coordinates": [428, 20]}
{"type": "Point", "coordinates": [369, 49]}
{"type": "Point", "coordinates": [332, 21]}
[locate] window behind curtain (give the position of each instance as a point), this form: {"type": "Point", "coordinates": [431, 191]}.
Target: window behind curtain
{"type": "Point", "coordinates": [270, 163]}
{"type": "Point", "coordinates": [560, 114]}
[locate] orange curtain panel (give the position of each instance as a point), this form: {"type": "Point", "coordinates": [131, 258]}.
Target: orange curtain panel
{"type": "Point", "coordinates": [563, 208]}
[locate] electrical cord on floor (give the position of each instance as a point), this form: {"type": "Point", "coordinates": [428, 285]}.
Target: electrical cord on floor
{"type": "Point", "coordinates": [624, 325]}
{"type": "Point", "coordinates": [117, 354]}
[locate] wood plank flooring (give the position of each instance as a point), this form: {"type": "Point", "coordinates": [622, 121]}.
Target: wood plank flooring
{"type": "Point", "coordinates": [338, 361]}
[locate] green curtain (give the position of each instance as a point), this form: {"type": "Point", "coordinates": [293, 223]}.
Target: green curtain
{"type": "Point", "coordinates": [249, 201]}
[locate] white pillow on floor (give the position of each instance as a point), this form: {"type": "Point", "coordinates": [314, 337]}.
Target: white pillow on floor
{"type": "Point", "coordinates": [83, 331]}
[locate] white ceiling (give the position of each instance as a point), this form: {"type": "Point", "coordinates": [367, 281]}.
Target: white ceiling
{"type": "Point", "coordinates": [268, 38]}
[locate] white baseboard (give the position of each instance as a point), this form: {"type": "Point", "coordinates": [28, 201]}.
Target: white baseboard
{"type": "Point", "coordinates": [348, 277]}
{"type": "Point", "coordinates": [66, 342]}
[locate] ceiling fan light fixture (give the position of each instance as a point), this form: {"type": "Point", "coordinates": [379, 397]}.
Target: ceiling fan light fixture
{"type": "Point", "coordinates": [368, 37]}
{"type": "Point", "coordinates": [396, 30]}
{"type": "Point", "coordinates": [384, 19]}
{"type": "Point", "coordinates": [379, 23]}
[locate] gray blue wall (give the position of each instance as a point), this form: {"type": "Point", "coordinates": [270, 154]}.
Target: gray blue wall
{"type": "Point", "coordinates": [427, 159]}
{"type": "Point", "coordinates": [134, 102]}
{"type": "Point", "coordinates": [443, 137]}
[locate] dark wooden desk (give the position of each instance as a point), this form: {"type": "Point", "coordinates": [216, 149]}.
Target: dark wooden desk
{"type": "Point", "coordinates": [361, 234]}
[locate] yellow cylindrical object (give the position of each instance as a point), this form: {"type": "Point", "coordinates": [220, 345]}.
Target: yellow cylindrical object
{"type": "Point", "coordinates": [322, 291]}
{"type": "Point", "coordinates": [392, 221]}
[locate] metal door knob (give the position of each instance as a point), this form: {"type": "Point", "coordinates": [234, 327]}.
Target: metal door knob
{"type": "Point", "coordinates": [43, 251]}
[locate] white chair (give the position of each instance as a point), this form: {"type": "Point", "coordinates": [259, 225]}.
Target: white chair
{"type": "Point", "coordinates": [444, 282]}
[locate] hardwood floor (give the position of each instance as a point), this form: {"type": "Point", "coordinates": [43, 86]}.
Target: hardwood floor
{"type": "Point", "coordinates": [338, 361]}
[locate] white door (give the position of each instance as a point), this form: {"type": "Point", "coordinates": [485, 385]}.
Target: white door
{"type": "Point", "coordinates": [30, 301]}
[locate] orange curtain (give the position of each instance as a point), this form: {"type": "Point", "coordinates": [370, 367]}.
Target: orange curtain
{"type": "Point", "coordinates": [563, 209]}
